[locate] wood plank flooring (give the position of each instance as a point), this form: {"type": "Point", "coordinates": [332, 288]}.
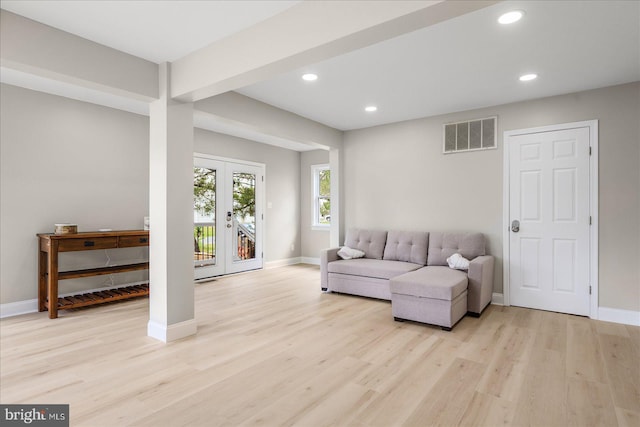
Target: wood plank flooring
{"type": "Point", "coordinates": [272, 350]}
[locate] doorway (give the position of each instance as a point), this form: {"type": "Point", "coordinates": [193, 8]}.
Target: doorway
{"type": "Point", "coordinates": [228, 216]}
{"type": "Point", "coordinates": [551, 218]}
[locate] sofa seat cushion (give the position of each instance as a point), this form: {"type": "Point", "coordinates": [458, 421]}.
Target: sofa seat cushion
{"type": "Point", "coordinates": [434, 282]}
{"type": "Point", "coordinates": [371, 267]}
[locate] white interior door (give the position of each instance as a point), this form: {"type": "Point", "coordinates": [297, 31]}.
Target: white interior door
{"type": "Point", "coordinates": [550, 218]}
{"type": "Point", "coordinates": [228, 217]}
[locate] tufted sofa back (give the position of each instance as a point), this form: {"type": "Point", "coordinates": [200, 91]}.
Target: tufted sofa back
{"type": "Point", "coordinates": [371, 242]}
{"type": "Point", "coordinates": [443, 245]}
{"type": "Point", "coordinates": [407, 246]}
{"type": "Point", "coordinates": [414, 246]}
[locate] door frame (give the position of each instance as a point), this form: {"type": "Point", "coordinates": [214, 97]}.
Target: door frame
{"type": "Point", "coordinates": [593, 206]}
{"type": "Point", "coordinates": [262, 202]}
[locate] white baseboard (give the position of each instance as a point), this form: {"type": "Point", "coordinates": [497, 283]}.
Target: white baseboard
{"type": "Point", "coordinates": [616, 315]}
{"type": "Point", "coordinates": [497, 299]}
{"type": "Point", "coordinates": [292, 261]}
{"type": "Point", "coordinates": [282, 262]}
{"type": "Point", "coordinates": [17, 308]}
{"type": "Point", "coordinates": [168, 333]}
{"type": "Point", "coordinates": [31, 306]}
{"type": "Point", "coordinates": [606, 314]}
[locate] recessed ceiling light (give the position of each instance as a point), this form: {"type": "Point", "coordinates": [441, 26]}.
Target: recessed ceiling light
{"type": "Point", "coordinates": [370, 108]}
{"type": "Point", "coordinates": [528, 77]}
{"type": "Point", "coordinates": [309, 77]}
{"type": "Point", "coordinates": [511, 17]}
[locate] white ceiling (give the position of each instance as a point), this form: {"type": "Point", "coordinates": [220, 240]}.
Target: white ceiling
{"type": "Point", "coordinates": [465, 63]}
{"type": "Point", "coordinates": [469, 62]}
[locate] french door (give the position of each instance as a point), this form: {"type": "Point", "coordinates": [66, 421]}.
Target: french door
{"type": "Point", "coordinates": [228, 216]}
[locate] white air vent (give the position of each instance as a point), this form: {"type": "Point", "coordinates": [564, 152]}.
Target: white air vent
{"type": "Point", "coordinates": [478, 134]}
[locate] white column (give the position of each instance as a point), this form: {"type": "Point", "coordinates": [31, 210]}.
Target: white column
{"type": "Point", "coordinates": [171, 299]}
{"type": "Point", "coordinates": [336, 231]}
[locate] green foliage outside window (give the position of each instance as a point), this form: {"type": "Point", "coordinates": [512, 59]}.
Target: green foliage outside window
{"type": "Point", "coordinates": [204, 201]}
{"type": "Point", "coordinates": [244, 195]}
{"type": "Point", "coordinates": [324, 196]}
{"type": "Point", "coordinates": [204, 191]}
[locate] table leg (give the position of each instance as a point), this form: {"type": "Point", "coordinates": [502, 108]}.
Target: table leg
{"type": "Point", "coordinates": [52, 269]}
{"type": "Point", "coordinates": [42, 280]}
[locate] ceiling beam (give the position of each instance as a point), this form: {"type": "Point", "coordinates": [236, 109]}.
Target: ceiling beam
{"type": "Point", "coordinates": [265, 122]}
{"type": "Point", "coordinates": [29, 47]}
{"type": "Point", "coordinates": [307, 33]}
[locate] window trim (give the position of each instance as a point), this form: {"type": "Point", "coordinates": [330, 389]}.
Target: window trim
{"type": "Point", "coordinates": [315, 190]}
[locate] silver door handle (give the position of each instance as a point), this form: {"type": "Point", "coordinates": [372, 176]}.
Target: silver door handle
{"type": "Point", "coordinates": [515, 226]}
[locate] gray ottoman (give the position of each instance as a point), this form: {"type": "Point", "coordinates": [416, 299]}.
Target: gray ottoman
{"type": "Point", "coordinates": [436, 295]}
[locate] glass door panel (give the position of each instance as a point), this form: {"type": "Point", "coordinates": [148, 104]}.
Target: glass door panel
{"type": "Point", "coordinates": [204, 216]}
{"type": "Point", "coordinates": [244, 216]}
{"type": "Point", "coordinates": [208, 206]}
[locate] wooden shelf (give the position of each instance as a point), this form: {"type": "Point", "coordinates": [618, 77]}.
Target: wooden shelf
{"type": "Point", "coordinates": [100, 271]}
{"type": "Point", "coordinates": [100, 297]}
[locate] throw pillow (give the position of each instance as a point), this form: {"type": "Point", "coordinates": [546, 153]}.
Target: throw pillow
{"type": "Point", "coordinates": [458, 262]}
{"type": "Point", "coordinates": [348, 253]}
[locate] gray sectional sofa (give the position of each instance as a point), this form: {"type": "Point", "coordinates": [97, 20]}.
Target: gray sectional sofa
{"type": "Point", "coordinates": [410, 269]}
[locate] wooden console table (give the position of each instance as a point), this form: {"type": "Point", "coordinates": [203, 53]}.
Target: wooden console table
{"type": "Point", "coordinates": [48, 275]}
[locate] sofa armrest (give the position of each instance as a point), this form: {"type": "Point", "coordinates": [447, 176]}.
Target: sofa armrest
{"type": "Point", "coordinates": [326, 256]}
{"type": "Point", "coordinates": [480, 288]}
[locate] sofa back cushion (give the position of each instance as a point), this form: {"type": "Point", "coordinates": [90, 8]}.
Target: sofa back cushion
{"type": "Point", "coordinates": [443, 245]}
{"type": "Point", "coordinates": [371, 242]}
{"type": "Point", "coordinates": [408, 246]}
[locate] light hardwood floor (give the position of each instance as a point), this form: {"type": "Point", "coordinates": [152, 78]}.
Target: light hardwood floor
{"type": "Point", "coordinates": [272, 350]}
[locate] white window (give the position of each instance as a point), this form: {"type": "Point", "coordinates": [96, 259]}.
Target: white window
{"type": "Point", "coordinates": [321, 182]}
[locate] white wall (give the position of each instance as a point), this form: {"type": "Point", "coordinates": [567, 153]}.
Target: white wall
{"type": "Point", "coordinates": [395, 176]}
{"type": "Point", "coordinates": [67, 161]}
{"type": "Point", "coordinates": [64, 160]}
{"type": "Point", "coordinates": [282, 219]}
{"type": "Point", "coordinates": [313, 241]}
